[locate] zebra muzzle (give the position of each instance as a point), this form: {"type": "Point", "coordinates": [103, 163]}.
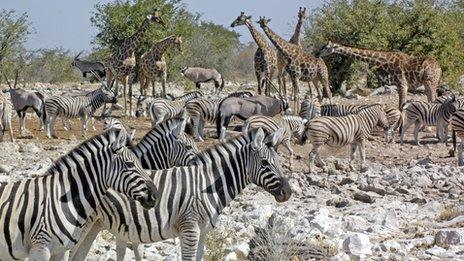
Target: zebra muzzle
{"type": "Point", "coordinates": [151, 199]}
{"type": "Point", "coordinates": [284, 192]}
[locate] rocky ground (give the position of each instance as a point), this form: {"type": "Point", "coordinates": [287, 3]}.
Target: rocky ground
{"type": "Point", "coordinates": [407, 205]}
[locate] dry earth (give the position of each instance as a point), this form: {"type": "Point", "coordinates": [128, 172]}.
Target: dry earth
{"type": "Point", "coordinates": [407, 205]}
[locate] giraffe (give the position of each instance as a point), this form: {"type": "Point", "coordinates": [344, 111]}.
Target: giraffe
{"type": "Point", "coordinates": [265, 56]}
{"type": "Point", "coordinates": [295, 39]}
{"type": "Point", "coordinates": [300, 66]}
{"type": "Point", "coordinates": [406, 70]}
{"type": "Point", "coordinates": [122, 62]}
{"type": "Point", "coordinates": [153, 64]}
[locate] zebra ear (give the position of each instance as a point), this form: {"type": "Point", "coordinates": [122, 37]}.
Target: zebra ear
{"type": "Point", "coordinates": [120, 142]}
{"type": "Point", "coordinates": [258, 141]}
{"type": "Point", "coordinates": [131, 136]}
{"type": "Point", "coordinates": [179, 128]}
{"type": "Point", "coordinates": [304, 121]}
{"type": "Point", "coordinates": [273, 138]}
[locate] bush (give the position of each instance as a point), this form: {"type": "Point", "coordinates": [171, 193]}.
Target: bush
{"type": "Point", "coordinates": [51, 66]}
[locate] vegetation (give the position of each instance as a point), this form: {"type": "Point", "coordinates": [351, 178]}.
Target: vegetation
{"type": "Point", "coordinates": [416, 27]}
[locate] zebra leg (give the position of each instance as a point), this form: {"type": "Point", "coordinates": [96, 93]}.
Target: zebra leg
{"type": "Point", "coordinates": [417, 127]}
{"type": "Point", "coordinates": [10, 129]}
{"type": "Point", "coordinates": [39, 253]}
{"type": "Point", "coordinates": [21, 116]}
{"type": "Point", "coordinates": [196, 128]}
{"type": "Point", "coordinates": [362, 152]}
{"type": "Point", "coordinates": [403, 129]}
{"type": "Point", "coordinates": [189, 240]}
{"type": "Point", "coordinates": [80, 251]}
{"type": "Point", "coordinates": [201, 128]}
{"type": "Point", "coordinates": [288, 145]}
{"type": "Point", "coordinates": [121, 247]}
{"type": "Point", "coordinates": [353, 148]}
{"type": "Point", "coordinates": [84, 120]}
{"type": "Point", "coordinates": [130, 99]}
{"type": "Point", "coordinates": [61, 257]}
{"type": "Point", "coordinates": [138, 251]}
{"type": "Point", "coordinates": [51, 127]}
{"type": "Point", "coordinates": [460, 154]}
{"type": "Point", "coordinates": [223, 128]}
{"type": "Point", "coordinates": [201, 246]}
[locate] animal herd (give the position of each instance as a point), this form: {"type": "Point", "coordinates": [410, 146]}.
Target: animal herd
{"type": "Point", "coordinates": [104, 183]}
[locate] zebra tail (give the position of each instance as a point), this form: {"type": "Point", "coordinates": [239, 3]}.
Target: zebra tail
{"type": "Point", "coordinates": [218, 124]}
{"type": "Point", "coordinates": [454, 142]}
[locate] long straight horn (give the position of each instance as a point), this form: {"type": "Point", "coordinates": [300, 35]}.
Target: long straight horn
{"type": "Point", "coordinates": [6, 78]}
{"type": "Point", "coordinates": [77, 56]}
{"type": "Point", "coordinates": [98, 77]}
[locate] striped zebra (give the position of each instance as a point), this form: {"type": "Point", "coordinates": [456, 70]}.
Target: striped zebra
{"type": "Point", "coordinates": [161, 110]}
{"type": "Point", "coordinates": [6, 112]}
{"type": "Point", "coordinates": [457, 125]}
{"type": "Point", "coordinates": [203, 110]}
{"type": "Point", "coordinates": [423, 114]}
{"type": "Point", "coordinates": [143, 105]}
{"type": "Point", "coordinates": [189, 96]}
{"type": "Point", "coordinates": [82, 107]}
{"type": "Point", "coordinates": [193, 197]}
{"type": "Point", "coordinates": [292, 125]}
{"type": "Point", "coordinates": [352, 129]}
{"type": "Point", "coordinates": [310, 108]}
{"type": "Point", "coordinates": [164, 146]}
{"type": "Point", "coordinates": [42, 217]}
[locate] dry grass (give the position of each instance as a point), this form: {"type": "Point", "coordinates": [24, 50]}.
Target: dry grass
{"type": "Point", "coordinates": [216, 243]}
{"type": "Point", "coordinates": [449, 212]}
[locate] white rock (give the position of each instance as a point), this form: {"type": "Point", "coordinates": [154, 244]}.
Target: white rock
{"type": "Point", "coordinates": [5, 168]}
{"type": "Point", "coordinates": [391, 246]}
{"type": "Point", "coordinates": [357, 244]}
{"type": "Point", "coordinates": [325, 224]}
{"type": "Point", "coordinates": [295, 185]}
{"type": "Point", "coordinates": [436, 251]}
{"type": "Point", "coordinates": [241, 250]}
{"type": "Point", "coordinates": [340, 257]}
{"type": "Point", "coordinates": [355, 223]}
{"type": "Point", "coordinates": [230, 257]}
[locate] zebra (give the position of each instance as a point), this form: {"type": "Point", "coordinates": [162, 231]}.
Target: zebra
{"type": "Point", "coordinates": [73, 107]}
{"type": "Point", "coordinates": [292, 125]}
{"type": "Point", "coordinates": [310, 108]}
{"type": "Point", "coordinates": [42, 217]}
{"type": "Point", "coordinates": [5, 119]}
{"type": "Point", "coordinates": [193, 197]}
{"type": "Point", "coordinates": [428, 114]}
{"type": "Point", "coordinates": [203, 110]}
{"type": "Point", "coordinates": [352, 129]}
{"type": "Point", "coordinates": [161, 110]}
{"type": "Point", "coordinates": [144, 103]}
{"type": "Point", "coordinates": [457, 125]}
{"type": "Point", "coordinates": [189, 96]}
{"type": "Point", "coordinates": [394, 119]}
{"type": "Point", "coordinates": [164, 146]}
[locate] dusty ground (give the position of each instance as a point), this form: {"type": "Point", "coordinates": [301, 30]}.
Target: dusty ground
{"type": "Point", "coordinates": [399, 204]}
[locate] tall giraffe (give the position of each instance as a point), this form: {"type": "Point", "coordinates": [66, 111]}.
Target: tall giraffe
{"type": "Point", "coordinates": [153, 64]}
{"type": "Point", "coordinates": [295, 39]}
{"type": "Point", "coordinates": [265, 56]}
{"type": "Point", "coordinates": [300, 66]}
{"type": "Point", "coordinates": [407, 71]}
{"type": "Point", "coordinates": [122, 62]}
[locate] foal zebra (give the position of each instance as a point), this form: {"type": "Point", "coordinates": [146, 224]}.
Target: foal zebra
{"type": "Point", "coordinates": [42, 217]}
{"type": "Point", "coordinates": [193, 197]}
{"type": "Point", "coordinates": [292, 125]}
{"type": "Point", "coordinates": [428, 114]}
{"type": "Point", "coordinates": [340, 131]}
{"type": "Point", "coordinates": [76, 107]}
{"type": "Point", "coordinates": [203, 110]}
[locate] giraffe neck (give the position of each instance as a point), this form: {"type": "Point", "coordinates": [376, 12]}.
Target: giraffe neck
{"type": "Point", "coordinates": [369, 56]}
{"type": "Point", "coordinates": [284, 47]}
{"type": "Point", "coordinates": [130, 44]}
{"type": "Point", "coordinates": [161, 46]}
{"type": "Point", "coordinates": [296, 35]}
{"type": "Point", "coordinates": [257, 36]}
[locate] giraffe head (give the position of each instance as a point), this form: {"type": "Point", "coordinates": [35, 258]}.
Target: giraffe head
{"type": "Point", "coordinates": [156, 17]}
{"type": "Point", "coordinates": [178, 42]}
{"type": "Point", "coordinates": [263, 21]}
{"type": "Point", "coordinates": [242, 19]}
{"type": "Point", "coordinates": [302, 13]}
{"type": "Point", "coordinates": [328, 49]}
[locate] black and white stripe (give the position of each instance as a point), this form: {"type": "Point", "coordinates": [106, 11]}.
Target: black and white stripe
{"type": "Point", "coordinates": [423, 114]}
{"type": "Point", "coordinates": [193, 197]}
{"type": "Point", "coordinates": [82, 107]}
{"type": "Point", "coordinates": [310, 108]}
{"type": "Point", "coordinates": [293, 127]}
{"type": "Point", "coordinates": [42, 217]}
{"type": "Point", "coordinates": [457, 125]}
{"type": "Point", "coordinates": [340, 131]}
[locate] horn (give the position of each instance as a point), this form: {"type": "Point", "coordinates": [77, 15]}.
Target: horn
{"type": "Point", "coordinates": [98, 78]}
{"type": "Point", "coordinates": [6, 78]}
{"type": "Point", "coordinates": [78, 55]}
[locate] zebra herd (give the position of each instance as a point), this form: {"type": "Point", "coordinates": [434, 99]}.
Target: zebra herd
{"type": "Point", "coordinates": [103, 183]}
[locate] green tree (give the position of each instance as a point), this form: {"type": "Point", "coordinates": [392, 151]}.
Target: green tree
{"type": "Point", "coordinates": [51, 66]}
{"type": "Point", "coordinates": [416, 27]}
{"type": "Point", "coordinates": [205, 44]}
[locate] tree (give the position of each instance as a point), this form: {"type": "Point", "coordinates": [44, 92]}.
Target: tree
{"type": "Point", "coordinates": [205, 44]}
{"type": "Point", "coordinates": [416, 27]}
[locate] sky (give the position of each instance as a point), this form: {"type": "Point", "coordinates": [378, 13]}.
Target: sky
{"type": "Point", "coordinates": [66, 23]}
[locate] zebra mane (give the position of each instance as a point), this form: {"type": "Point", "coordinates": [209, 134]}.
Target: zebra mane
{"type": "Point", "coordinates": [232, 144]}
{"type": "Point", "coordinates": [101, 142]}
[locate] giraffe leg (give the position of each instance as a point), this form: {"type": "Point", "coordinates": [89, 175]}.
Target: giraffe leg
{"type": "Point", "coordinates": [296, 94]}
{"type": "Point", "coordinates": [258, 78]}
{"type": "Point", "coordinates": [163, 83]}
{"type": "Point", "coordinates": [403, 91]}
{"type": "Point", "coordinates": [153, 87]}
